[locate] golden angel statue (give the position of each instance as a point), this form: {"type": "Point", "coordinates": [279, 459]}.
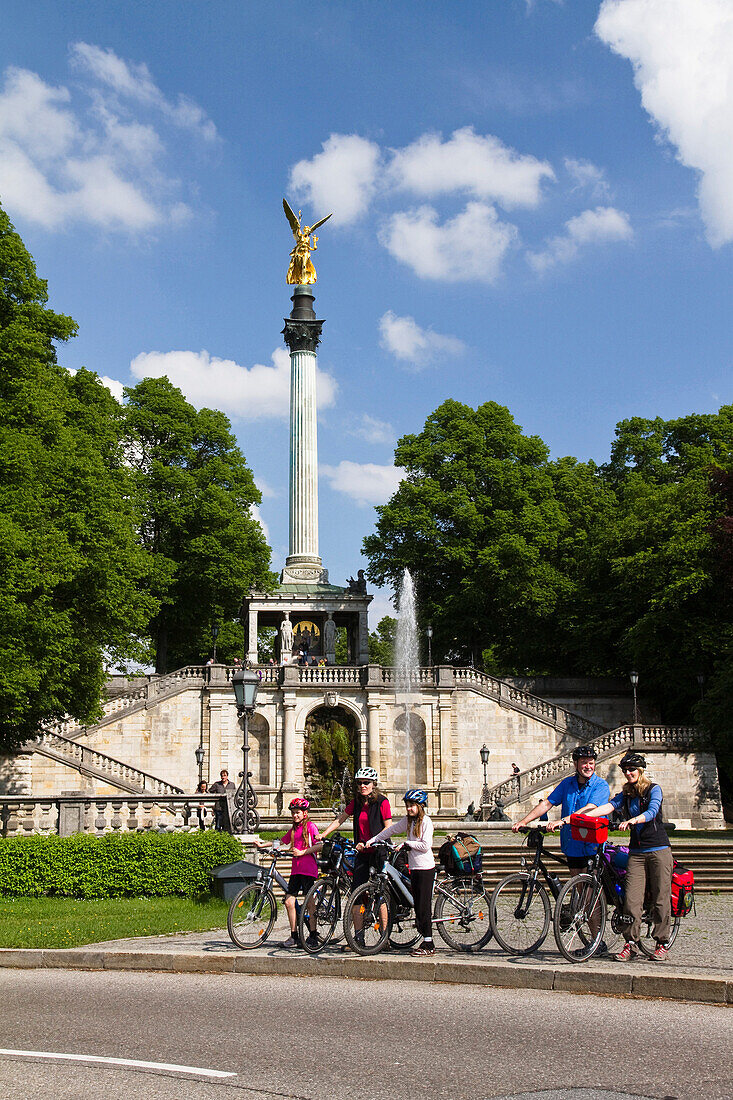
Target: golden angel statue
{"type": "Point", "coordinates": [301, 270]}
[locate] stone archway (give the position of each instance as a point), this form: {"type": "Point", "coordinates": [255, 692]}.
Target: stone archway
{"type": "Point", "coordinates": [409, 751]}
{"type": "Point", "coordinates": [258, 729]}
{"type": "Point", "coordinates": [332, 737]}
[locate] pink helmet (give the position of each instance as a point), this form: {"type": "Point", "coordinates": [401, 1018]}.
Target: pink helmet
{"type": "Point", "coordinates": [299, 804]}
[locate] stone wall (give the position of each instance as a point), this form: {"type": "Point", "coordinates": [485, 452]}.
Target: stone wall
{"type": "Point", "coordinates": [159, 737]}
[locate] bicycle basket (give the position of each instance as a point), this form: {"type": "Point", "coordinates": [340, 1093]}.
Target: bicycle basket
{"type": "Point", "coordinates": [591, 830]}
{"type": "Point", "coordinates": [461, 855]}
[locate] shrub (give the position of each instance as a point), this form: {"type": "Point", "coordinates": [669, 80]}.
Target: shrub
{"type": "Point", "coordinates": [116, 865]}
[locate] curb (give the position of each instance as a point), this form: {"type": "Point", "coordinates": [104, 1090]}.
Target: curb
{"type": "Point", "coordinates": [716, 988]}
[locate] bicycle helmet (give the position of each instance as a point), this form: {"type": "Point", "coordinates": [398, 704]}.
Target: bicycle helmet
{"type": "Point", "coordinates": [632, 760]}
{"type": "Point", "coordinates": [416, 795]}
{"type": "Point", "coordinates": [584, 752]}
{"type": "Point", "coordinates": [367, 773]}
{"type": "Point", "coordinates": [299, 804]}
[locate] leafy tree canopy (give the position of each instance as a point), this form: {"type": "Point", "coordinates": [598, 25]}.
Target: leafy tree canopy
{"type": "Point", "coordinates": [70, 569]}
{"type": "Point", "coordinates": [194, 493]}
{"type": "Point", "coordinates": [382, 642]}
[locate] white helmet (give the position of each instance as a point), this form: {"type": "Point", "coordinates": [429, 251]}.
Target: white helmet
{"type": "Point", "coordinates": [367, 773]}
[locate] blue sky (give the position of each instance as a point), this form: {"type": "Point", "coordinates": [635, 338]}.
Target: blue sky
{"type": "Point", "coordinates": [532, 203]}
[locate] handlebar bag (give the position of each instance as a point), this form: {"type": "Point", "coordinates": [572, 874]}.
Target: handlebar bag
{"type": "Point", "coordinates": [589, 830]}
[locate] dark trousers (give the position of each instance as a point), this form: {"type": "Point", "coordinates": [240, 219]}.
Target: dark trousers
{"type": "Point", "coordinates": [652, 870]}
{"type": "Point", "coordinates": [422, 892]}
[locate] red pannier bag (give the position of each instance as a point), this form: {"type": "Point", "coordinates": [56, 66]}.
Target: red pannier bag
{"type": "Point", "coordinates": [683, 890]}
{"type": "Point", "coordinates": [588, 830]}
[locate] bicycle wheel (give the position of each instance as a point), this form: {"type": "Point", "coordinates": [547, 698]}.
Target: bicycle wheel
{"type": "Point", "coordinates": [319, 914]}
{"type": "Point", "coordinates": [520, 913]}
{"type": "Point", "coordinates": [403, 933]}
{"type": "Point", "coordinates": [647, 942]}
{"type": "Point", "coordinates": [251, 915]}
{"type": "Point", "coordinates": [580, 918]}
{"type": "Point", "coordinates": [462, 915]}
{"type": "Point", "coordinates": [369, 908]}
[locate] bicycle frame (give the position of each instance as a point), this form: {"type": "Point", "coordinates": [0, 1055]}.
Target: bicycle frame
{"type": "Point", "coordinates": [538, 864]}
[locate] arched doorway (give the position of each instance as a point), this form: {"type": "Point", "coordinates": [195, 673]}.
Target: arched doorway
{"type": "Point", "coordinates": [409, 751]}
{"type": "Point", "coordinates": [258, 731]}
{"type": "Point", "coordinates": [331, 745]}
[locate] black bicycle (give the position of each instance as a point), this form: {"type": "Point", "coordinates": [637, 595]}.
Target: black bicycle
{"type": "Point", "coordinates": [383, 909]}
{"type": "Point", "coordinates": [253, 910]}
{"type": "Point", "coordinates": [521, 911]}
{"type": "Point", "coordinates": [581, 911]}
{"type": "Point", "coordinates": [323, 906]}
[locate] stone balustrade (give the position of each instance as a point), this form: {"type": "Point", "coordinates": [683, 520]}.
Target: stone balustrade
{"type": "Point", "coordinates": [23, 815]}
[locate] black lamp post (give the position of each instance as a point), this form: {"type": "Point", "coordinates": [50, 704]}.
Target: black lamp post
{"type": "Point", "coordinates": [214, 636]}
{"type": "Point", "coordinates": [198, 752]}
{"type": "Point", "coordinates": [484, 753]}
{"type": "Point", "coordinates": [245, 819]}
{"type": "Point", "coordinates": [429, 633]}
{"type": "Point", "coordinates": [701, 684]}
{"type": "Point", "coordinates": [634, 677]}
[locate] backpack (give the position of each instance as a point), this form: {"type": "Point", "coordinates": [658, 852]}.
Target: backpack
{"type": "Point", "coordinates": [683, 890]}
{"type": "Point", "coordinates": [461, 855]}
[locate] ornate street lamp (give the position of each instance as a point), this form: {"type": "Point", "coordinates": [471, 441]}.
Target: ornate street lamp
{"type": "Point", "coordinates": [199, 753]}
{"type": "Point", "coordinates": [634, 677]}
{"type": "Point", "coordinates": [429, 633]}
{"type": "Point", "coordinates": [484, 753]}
{"type": "Point", "coordinates": [214, 636]}
{"type": "Point", "coordinates": [701, 684]}
{"type": "Point", "coordinates": [245, 818]}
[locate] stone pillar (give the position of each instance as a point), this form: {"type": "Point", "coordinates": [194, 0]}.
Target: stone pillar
{"type": "Point", "coordinates": [252, 657]}
{"type": "Point", "coordinates": [289, 743]}
{"type": "Point", "coordinates": [372, 753]}
{"type": "Point", "coordinates": [302, 334]}
{"type": "Point", "coordinates": [446, 757]}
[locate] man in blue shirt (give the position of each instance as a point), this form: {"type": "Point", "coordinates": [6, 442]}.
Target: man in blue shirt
{"type": "Point", "coordinates": [574, 794]}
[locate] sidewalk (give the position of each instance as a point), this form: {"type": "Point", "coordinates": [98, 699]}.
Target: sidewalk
{"type": "Point", "coordinates": [700, 966]}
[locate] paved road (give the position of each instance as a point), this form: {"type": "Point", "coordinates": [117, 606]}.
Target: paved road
{"type": "Point", "coordinates": [330, 1039]}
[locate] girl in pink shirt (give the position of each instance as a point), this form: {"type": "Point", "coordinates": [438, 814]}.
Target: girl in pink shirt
{"type": "Point", "coordinates": [302, 838]}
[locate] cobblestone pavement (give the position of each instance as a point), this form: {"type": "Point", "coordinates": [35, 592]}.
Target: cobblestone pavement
{"type": "Point", "coordinates": [704, 944]}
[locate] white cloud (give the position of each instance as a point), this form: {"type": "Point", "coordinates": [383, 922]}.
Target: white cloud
{"type": "Point", "coordinates": [406, 340]}
{"type": "Point", "coordinates": [247, 393]}
{"type": "Point", "coordinates": [599, 226]}
{"type": "Point", "coordinates": [257, 515]}
{"type": "Point", "coordinates": [267, 491]}
{"type": "Point", "coordinates": [366, 483]}
{"type": "Point", "coordinates": [682, 54]}
{"type": "Point", "coordinates": [340, 180]}
{"type": "Point", "coordinates": [62, 163]}
{"type": "Point", "coordinates": [134, 81]}
{"type": "Point", "coordinates": [469, 162]}
{"type": "Point", "coordinates": [588, 177]}
{"type": "Point", "coordinates": [374, 430]}
{"type": "Point", "coordinates": [469, 247]}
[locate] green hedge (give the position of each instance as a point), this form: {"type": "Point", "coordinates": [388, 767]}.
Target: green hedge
{"type": "Point", "coordinates": [118, 865]}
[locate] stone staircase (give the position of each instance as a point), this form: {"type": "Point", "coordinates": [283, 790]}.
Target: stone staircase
{"type": "Point", "coordinates": [607, 744]}
{"type": "Point", "coordinates": [97, 765]}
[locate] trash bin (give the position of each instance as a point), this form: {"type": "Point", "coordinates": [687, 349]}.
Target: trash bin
{"type": "Point", "coordinates": [228, 880]}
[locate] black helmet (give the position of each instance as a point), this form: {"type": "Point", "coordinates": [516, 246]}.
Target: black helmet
{"type": "Point", "coordinates": [584, 752]}
{"type": "Point", "coordinates": [632, 760]}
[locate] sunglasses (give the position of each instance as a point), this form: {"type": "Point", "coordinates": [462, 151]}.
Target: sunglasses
{"type": "Point", "coordinates": [364, 782]}
{"type": "Point", "coordinates": [627, 771]}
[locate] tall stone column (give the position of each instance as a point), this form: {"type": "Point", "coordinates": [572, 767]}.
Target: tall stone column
{"type": "Point", "coordinates": [252, 655]}
{"type": "Point", "coordinates": [302, 334]}
{"type": "Point", "coordinates": [289, 760]}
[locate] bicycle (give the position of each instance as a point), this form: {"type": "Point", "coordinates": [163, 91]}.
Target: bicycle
{"type": "Point", "coordinates": [253, 910]}
{"type": "Point", "coordinates": [385, 909]}
{"type": "Point", "coordinates": [520, 910]}
{"type": "Point", "coordinates": [581, 911]}
{"type": "Point", "coordinates": [323, 905]}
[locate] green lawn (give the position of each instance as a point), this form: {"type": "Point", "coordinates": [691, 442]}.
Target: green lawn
{"type": "Point", "coordinates": [66, 922]}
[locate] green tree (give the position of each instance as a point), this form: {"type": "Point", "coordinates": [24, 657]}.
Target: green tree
{"type": "Point", "coordinates": [382, 642]}
{"type": "Point", "coordinates": [330, 746]}
{"type": "Point", "coordinates": [70, 568]}
{"type": "Point", "coordinates": [479, 522]}
{"type": "Point", "coordinates": [194, 494]}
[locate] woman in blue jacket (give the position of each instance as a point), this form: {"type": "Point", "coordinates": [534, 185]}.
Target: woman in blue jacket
{"type": "Point", "coordinates": [650, 856]}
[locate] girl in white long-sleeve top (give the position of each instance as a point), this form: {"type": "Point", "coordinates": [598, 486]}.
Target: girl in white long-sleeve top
{"type": "Point", "coordinates": [419, 844]}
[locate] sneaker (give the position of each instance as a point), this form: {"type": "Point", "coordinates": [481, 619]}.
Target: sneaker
{"type": "Point", "coordinates": [312, 940]}
{"type": "Point", "coordinates": [602, 948]}
{"type": "Point", "coordinates": [291, 941]}
{"type": "Point", "coordinates": [628, 951]}
{"type": "Point", "coordinates": [359, 938]}
{"type": "Point", "coordinates": [661, 952]}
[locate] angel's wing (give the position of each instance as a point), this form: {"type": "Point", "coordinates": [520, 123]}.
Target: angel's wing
{"type": "Point", "coordinates": [314, 227]}
{"type": "Point", "coordinates": [294, 223]}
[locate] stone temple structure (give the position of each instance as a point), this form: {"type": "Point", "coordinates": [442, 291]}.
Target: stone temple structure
{"type": "Point", "coordinates": [133, 767]}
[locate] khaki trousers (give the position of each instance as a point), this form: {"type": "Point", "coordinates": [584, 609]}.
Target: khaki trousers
{"type": "Point", "coordinates": [652, 869]}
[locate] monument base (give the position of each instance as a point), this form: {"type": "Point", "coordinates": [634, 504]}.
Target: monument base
{"type": "Point", "coordinates": [300, 569]}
